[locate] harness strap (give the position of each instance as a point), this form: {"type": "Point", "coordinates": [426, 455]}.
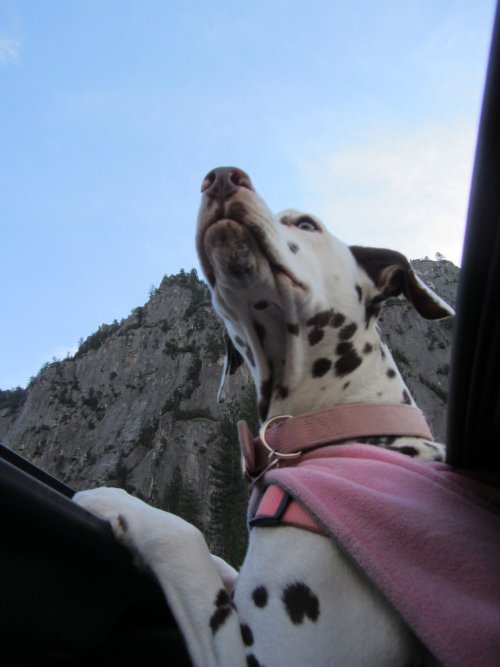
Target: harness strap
{"type": "Point", "coordinates": [277, 507]}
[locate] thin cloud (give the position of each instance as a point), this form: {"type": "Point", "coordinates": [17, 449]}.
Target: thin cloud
{"type": "Point", "coordinates": [9, 49]}
{"type": "Point", "coordinates": [405, 191]}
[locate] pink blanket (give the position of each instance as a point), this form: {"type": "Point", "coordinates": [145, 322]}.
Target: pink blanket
{"type": "Point", "coordinates": [427, 535]}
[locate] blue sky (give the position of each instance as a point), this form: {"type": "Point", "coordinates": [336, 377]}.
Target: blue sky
{"type": "Point", "coordinates": [364, 113]}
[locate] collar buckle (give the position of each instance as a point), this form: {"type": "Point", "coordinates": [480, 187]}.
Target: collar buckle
{"type": "Point", "coordinates": [272, 453]}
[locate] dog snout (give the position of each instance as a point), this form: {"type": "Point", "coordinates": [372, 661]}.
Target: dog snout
{"type": "Point", "coordinates": [223, 182]}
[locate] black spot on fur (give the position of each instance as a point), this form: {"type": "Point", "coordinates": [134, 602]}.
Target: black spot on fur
{"type": "Point", "coordinates": [320, 367]}
{"type": "Point", "coordinates": [406, 397]}
{"type": "Point", "coordinates": [372, 309]}
{"type": "Point", "coordinates": [293, 247]}
{"type": "Point", "coordinates": [348, 359]}
{"type": "Point", "coordinates": [359, 293]}
{"type": "Point", "coordinates": [348, 331]}
{"type": "Point", "coordinates": [219, 617]}
{"type": "Point", "coordinates": [320, 319]}
{"type": "Point", "coordinates": [222, 598]}
{"type": "Point", "coordinates": [406, 449]}
{"type": "Point", "coordinates": [337, 320]}
{"type": "Point", "coordinates": [246, 635]}
{"type": "Point", "coordinates": [367, 348]}
{"type": "Point", "coordinates": [283, 392]}
{"type": "Point", "coordinates": [260, 596]}
{"type": "Point", "coordinates": [346, 384]}
{"type": "Point", "coordinates": [224, 607]}
{"type": "Point", "coordinates": [376, 440]}
{"type": "Point", "coordinates": [292, 328]}
{"type": "Point", "coordinates": [391, 373]}
{"type": "Point", "coordinates": [300, 602]}
{"type": "Point", "coordinates": [315, 335]}
{"type": "Point", "coordinates": [259, 330]}
{"type": "Point", "coordinates": [252, 661]}
{"type": "Point", "coordinates": [237, 211]}
{"type": "Point", "coordinates": [260, 305]}
{"type": "Point", "coordinates": [380, 440]}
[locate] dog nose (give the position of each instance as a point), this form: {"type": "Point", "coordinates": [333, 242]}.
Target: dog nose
{"type": "Point", "coordinates": [222, 182]}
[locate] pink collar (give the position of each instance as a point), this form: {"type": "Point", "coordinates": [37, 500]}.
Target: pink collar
{"type": "Point", "coordinates": [285, 437]}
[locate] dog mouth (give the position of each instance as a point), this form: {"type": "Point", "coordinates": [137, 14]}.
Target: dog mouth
{"type": "Point", "coordinates": [227, 230]}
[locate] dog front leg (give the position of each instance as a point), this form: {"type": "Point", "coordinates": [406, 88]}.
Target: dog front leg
{"type": "Point", "coordinates": [178, 556]}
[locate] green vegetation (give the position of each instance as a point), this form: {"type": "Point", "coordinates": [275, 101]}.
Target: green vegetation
{"type": "Point", "coordinates": [199, 299]}
{"type": "Point", "coordinates": [187, 387]}
{"type": "Point", "coordinates": [214, 346]}
{"type": "Point", "coordinates": [433, 339]}
{"type": "Point", "coordinates": [192, 378]}
{"type": "Point", "coordinates": [173, 350]}
{"type": "Point", "coordinates": [181, 498]}
{"type": "Point", "coordinates": [92, 400]}
{"type": "Point", "coordinates": [64, 396]}
{"type": "Point", "coordinates": [121, 473]}
{"type": "Point", "coordinates": [400, 357]}
{"type": "Point", "coordinates": [95, 340]}
{"type": "Point", "coordinates": [138, 313]}
{"type": "Point", "coordinates": [13, 399]}
{"type": "Point", "coordinates": [229, 492]}
{"type": "Point", "coordinates": [439, 391]}
{"type": "Point", "coordinates": [196, 413]}
{"type": "Point", "coordinates": [147, 434]}
{"type": "Point", "coordinates": [228, 496]}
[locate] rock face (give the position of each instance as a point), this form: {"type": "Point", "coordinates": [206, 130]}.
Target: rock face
{"type": "Point", "coordinates": [136, 406]}
{"type": "Point", "coordinates": [421, 348]}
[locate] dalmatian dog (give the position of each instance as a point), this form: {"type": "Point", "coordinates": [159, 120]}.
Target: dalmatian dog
{"type": "Point", "coordinates": [300, 309]}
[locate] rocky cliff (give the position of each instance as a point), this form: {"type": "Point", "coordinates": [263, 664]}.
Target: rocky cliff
{"type": "Point", "coordinates": [135, 407]}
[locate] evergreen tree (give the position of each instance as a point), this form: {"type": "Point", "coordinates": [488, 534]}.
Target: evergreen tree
{"type": "Point", "coordinates": [228, 498]}
{"type": "Point", "coordinates": [181, 498]}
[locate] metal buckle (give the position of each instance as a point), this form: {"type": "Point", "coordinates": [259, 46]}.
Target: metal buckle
{"type": "Point", "coordinates": [272, 452]}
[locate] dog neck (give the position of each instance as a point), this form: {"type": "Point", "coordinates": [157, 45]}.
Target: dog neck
{"type": "Point", "coordinates": [321, 363]}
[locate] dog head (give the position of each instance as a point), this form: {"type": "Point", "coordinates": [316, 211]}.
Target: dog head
{"type": "Point", "coordinates": [280, 282]}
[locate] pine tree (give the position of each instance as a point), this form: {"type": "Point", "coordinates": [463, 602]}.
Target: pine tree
{"type": "Point", "coordinates": [228, 498]}
{"type": "Point", "coordinates": [181, 498]}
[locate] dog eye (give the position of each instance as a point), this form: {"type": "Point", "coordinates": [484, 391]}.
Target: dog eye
{"type": "Point", "coordinates": [307, 225]}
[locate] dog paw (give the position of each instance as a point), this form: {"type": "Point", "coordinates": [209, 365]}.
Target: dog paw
{"type": "Point", "coordinates": [146, 530]}
{"type": "Point", "coordinates": [111, 505]}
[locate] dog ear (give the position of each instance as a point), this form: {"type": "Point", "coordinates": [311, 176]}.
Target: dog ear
{"type": "Point", "coordinates": [393, 274]}
{"type": "Point", "coordinates": [232, 361]}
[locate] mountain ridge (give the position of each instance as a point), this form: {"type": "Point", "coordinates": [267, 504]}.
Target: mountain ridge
{"type": "Point", "coordinates": [136, 405]}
